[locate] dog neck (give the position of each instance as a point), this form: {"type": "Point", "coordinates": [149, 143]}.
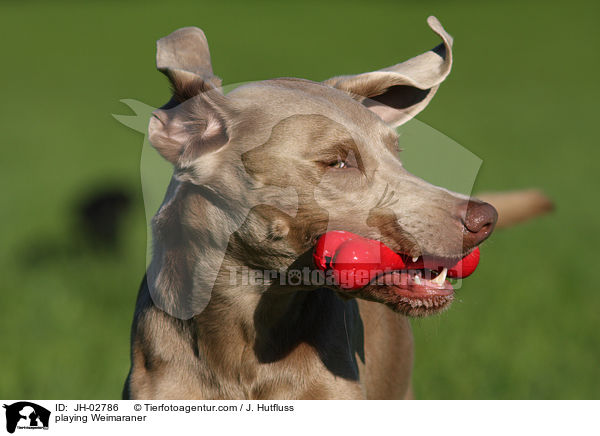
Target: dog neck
{"type": "Point", "coordinates": [245, 327]}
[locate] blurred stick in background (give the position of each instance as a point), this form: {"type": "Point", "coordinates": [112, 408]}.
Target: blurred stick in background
{"type": "Point", "coordinates": [517, 206]}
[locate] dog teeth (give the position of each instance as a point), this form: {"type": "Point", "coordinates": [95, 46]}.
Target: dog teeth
{"type": "Point", "coordinates": [417, 279]}
{"type": "Point", "coordinates": [414, 259]}
{"type": "Point", "coordinates": [441, 278]}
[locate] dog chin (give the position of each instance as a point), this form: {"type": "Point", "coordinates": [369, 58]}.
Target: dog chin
{"type": "Point", "coordinates": [420, 304]}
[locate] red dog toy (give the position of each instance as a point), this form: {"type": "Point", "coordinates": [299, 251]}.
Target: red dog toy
{"type": "Point", "coordinates": [356, 261]}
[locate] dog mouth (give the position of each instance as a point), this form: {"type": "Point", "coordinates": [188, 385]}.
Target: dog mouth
{"type": "Point", "coordinates": [413, 292]}
{"type": "Point", "coordinates": [415, 286]}
{"type": "Point", "coordinates": [416, 283]}
{"type": "Point", "coordinates": [416, 293]}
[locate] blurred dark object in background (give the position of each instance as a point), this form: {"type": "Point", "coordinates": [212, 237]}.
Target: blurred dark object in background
{"type": "Point", "coordinates": [100, 215]}
{"type": "Point", "coordinates": [96, 220]}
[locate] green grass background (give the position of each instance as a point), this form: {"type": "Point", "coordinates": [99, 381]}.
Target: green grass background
{"type": "Point", "coordinates": [523, 96]}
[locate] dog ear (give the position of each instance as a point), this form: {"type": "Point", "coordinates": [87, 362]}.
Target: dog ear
{"type": "Point", "coordinates": [189, 130]}
{"type": "Point", "coordinates": [400, 92]}
{"type": "Point", "coordinates": [183, 56]}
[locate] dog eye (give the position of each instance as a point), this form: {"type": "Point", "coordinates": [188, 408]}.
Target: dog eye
{"type": "Point", "coordinates": [339, 164]}
{"type": "Point", "coordinates": [343, 161]}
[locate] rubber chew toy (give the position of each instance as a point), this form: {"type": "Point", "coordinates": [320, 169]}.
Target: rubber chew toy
{"type": "Point", "coordinates": [356, 261]}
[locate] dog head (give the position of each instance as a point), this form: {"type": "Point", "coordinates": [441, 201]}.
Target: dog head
{"type": "Point", "coordinates": [276, 164]}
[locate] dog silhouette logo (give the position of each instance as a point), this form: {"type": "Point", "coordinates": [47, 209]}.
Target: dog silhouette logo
{"type": "Point", "coordinates": [26, 415]}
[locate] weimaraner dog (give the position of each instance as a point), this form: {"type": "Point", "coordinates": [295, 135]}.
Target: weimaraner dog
{"type": "Point", "coordinates": [269, 168]}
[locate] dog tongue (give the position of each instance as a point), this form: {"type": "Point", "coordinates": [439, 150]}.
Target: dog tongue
{"type": "Point", "coordinates": [350, 255]}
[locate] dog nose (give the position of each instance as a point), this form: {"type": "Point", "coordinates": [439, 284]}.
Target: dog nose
{"type": "Point", "coordinates": [479, 222]}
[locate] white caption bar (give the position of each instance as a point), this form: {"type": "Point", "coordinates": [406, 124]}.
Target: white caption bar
{"type": "Point", "coordinates": [262, 418]}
